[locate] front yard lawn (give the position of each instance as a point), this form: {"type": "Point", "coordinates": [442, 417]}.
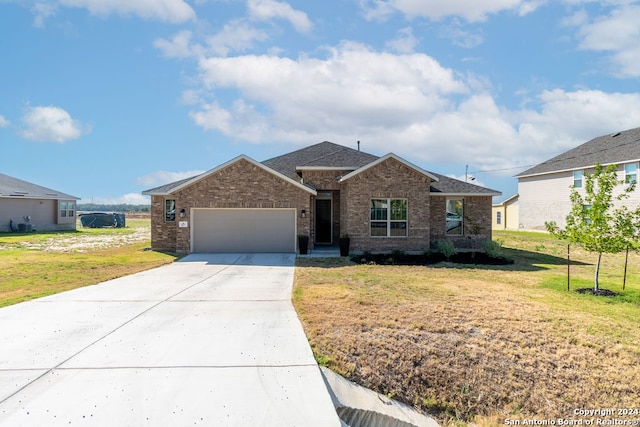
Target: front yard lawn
{"type": "Point", "coordinates": [34, 265]}
{"type": "Point", "coordinates": [480, 344]}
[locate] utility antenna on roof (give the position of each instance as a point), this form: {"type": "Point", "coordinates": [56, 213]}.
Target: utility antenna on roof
{"type": "Point", "coordinates": [358, 145]}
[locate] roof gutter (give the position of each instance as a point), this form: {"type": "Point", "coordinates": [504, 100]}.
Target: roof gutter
{"type": "Point", "coordinates": [576, 168]}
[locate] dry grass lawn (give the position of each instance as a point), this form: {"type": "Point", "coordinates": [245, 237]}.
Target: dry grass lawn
{"type": "Point", "coordinates": [40, 264]}
{"type": "Point", "coordinates": [480, 344]}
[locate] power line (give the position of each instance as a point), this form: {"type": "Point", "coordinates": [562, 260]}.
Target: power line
{"type": "Point", "coordinates": [504, 169]}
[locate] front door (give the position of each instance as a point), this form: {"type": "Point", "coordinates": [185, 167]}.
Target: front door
{"type": "Point", "coordinates": [323, 219]}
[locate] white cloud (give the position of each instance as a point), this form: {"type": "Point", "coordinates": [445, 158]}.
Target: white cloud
{"type": "Point", "coordinates": [405, 42]}
{"type": "Point", "coordinates": [352, 90]}
{"type": "Point", "coordinates": [191, 97]}
{"type": "Point", "coordinates": [241, 121]}
{"type": "Point", "coordinates": [235, 36]}
{"type": "Point", "coordinates": [4, 122]}
{"type": "Point", "coordinates": [567, 118]}
{"type": "Point", "coordinates": [173, 11]}
{"type": "Point", "coordinates": [576, 19]}
{"type": "Point", "coordinates": [159, 178]}
{"type": "Point", "coordinates": [51, 124]}
{"type": "Point", "coordinates": [617, 33]}
{"type": "Point", "coordinates": [179, 46]}
{"type": "Point", "coordinates": [42, 11]}
{"type": "Point", "coordinates": [480, 132]}
{"type": "Point", "coordinates": [264, 10]}
{"type": "Point", "coordinates": [408, 104]}
{"type": "Point", "coordinates": [469, 10]}
{"type": "Point", "coordinates": [460, 37]}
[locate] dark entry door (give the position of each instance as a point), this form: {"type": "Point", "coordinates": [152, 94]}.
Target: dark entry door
{"type": "Point", "coordinates": [323, 221]}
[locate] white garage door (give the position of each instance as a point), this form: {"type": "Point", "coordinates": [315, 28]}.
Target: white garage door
{"type": "Point", "coordinates": [243, 230]}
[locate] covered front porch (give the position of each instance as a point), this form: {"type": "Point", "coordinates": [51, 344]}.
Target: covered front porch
{"type": "Point", "coordinates": [325, 221]}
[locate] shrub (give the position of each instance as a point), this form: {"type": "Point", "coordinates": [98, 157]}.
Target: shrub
{"type": "Point", "coordinates": [493, 248]}
{"type": "Point", "coordinates": [446, 248]}
{"type": "Point", "coordinates": [397, 254]}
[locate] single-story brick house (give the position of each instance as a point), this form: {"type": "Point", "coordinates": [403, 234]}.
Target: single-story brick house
{"type": "Point", "coordinates": [323, 191]}
{"type": "Point", "coordinates": [25, 206]}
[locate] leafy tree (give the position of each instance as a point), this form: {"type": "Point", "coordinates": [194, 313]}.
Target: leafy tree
{"type": "Point", "coordinates": [593, 222]}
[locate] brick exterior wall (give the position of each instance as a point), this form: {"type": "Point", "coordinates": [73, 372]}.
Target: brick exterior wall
{"type": "Point", "coordinates": [240, 185]}
{"type": "Point", "coordinates": [323, 180]}
{"type": "Point", "coordinates": [394, 180]}
{"type": "Point", "coordinates": [245, 185]}
{"type": "Point", "coordinates": [163, 234]}
{"type": "Point", "coordinates": [476, 221]}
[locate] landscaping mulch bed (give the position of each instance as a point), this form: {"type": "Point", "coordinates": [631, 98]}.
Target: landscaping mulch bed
{"type": "Point", "coordinates": [430, 258]}
{"type": "Point", "coordinates": [599, 292]}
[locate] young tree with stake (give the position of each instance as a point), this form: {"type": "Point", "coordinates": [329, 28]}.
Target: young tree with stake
{"type": "Point", "coordinates": [594, 222]}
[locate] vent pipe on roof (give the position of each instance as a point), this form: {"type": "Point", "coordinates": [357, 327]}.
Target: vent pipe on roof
{"type": "Point", "coordinates": [358, 145]}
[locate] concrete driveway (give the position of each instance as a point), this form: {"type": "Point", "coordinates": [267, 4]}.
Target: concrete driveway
{"type": "Point", "coordinates": [208, 340]}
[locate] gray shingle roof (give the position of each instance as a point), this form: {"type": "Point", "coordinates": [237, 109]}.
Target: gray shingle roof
{"type": "Point", "coordinates": [324, 154]}
{"type": "Point", "coordinates": [619, 147]}
{"type": "Point", "coordinates": [328, 154]}
{"type": "Point", "coordinates": [448, 185]}
{"type": "Point", "coordinates": [167, 188]}
{"type": "Point", "coordinates": [14, 187]}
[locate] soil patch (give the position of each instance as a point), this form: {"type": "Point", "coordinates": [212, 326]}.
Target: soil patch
{"type": "Point", "coordinates": [81, 242]}
{"type": "Point", "coordinates": [599, 292]}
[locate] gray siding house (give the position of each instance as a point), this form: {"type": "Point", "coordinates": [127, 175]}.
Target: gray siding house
{"type": "Point", "coordinates": [25, 206]}
{"type": "Point", "coordinates": [545, 188]}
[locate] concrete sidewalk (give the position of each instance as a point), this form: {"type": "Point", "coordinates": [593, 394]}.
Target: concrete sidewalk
{"type": "Point", "coordinates": [208, 340]}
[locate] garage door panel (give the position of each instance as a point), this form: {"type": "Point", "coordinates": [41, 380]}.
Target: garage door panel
{"type": "Point", "coordinates": [244, 230]}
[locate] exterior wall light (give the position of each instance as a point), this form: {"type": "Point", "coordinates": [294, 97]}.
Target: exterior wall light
{"type": "Point", "coordinates": [303, 213]}
{"type": "Point", "coordinates": [182, 213]}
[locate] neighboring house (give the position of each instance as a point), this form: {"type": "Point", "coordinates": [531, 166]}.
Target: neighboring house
{"type": "Point", "coordinates": [544, 190]}
{"type": "Point", "coordinates": [323, 191]}
{"type": "Point", "coordinates": [25, 206]}
{"type": "Point", "coordinates": [505, 214]}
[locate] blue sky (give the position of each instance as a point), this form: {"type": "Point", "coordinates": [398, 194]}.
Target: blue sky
{"type": "Point", "coordinates": [103, 99]}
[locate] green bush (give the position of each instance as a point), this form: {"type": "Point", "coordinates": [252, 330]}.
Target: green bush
{"type": "Point", "coordinates": [493, 248]}
{"type": "Point", "coordinates": [446, 248]}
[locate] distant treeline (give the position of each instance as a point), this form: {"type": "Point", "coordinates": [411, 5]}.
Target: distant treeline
{"type": "Point", "coordinates": [93, 207]}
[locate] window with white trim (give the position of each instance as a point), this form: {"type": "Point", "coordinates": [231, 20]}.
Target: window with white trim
{"type": "Point", "coordinates": [498, 217]}
{"type": "Point", "coordinates": [577, 178]}
{"type": "Point", "coordinates": [67, 209]}
{"type": "Point", "coordinates": [630, 173]}
{"type": "Point", "coordinates": [455, 211]}
{"type": "Point", "coordinates": [388, 218]}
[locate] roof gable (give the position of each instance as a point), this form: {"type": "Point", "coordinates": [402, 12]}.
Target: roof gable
{"type": "Point", "coordinates": [329, 156]}
{"type": "Point", "coordinates": [179, 185]}
{"type": "Point", "coordinates": [384, 159]}
{"type": "Point", "coordinates": [616, 148]}
{"type": "Point", "coordinates": [440, 185]}
{"type": "Point", "coordinates": [325, 155]}
{"type": "Point", "coordinates": [14, 187]}
{"type": "Point", "coordinates": [508, 201]}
